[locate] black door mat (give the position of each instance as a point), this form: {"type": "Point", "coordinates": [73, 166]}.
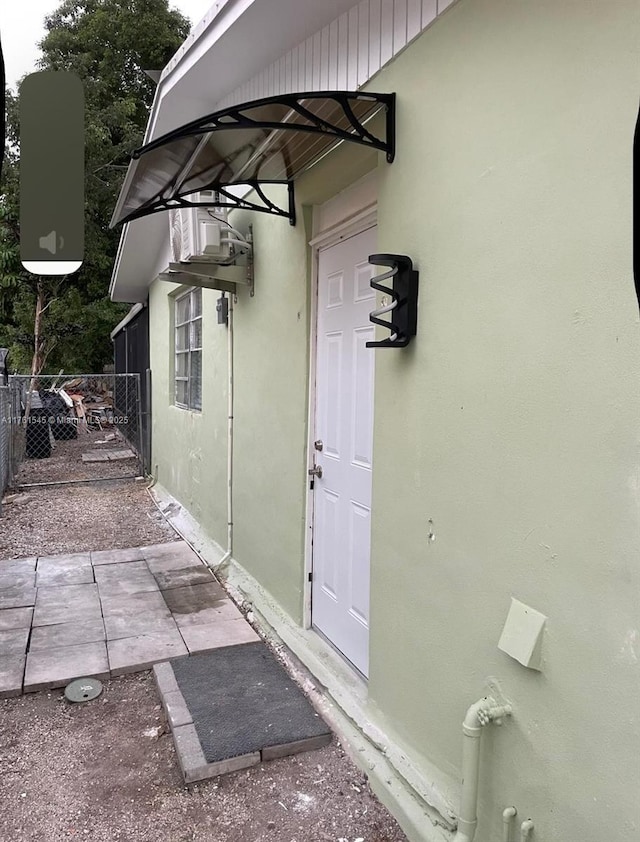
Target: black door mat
{"type": "Point", "coordinates": [235, 707]}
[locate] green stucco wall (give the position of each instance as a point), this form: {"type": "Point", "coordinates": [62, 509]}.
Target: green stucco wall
{"type": "Point", "coordinates": [510, 423]}
{"type": "Point", "coordinates": [271, 390]}
{"type": "Point", "coordinates": [189, 449]}
{"type": "Point", "coordinates": [271, 349]}
{"type": "Point", "coordinates": [271, 366]}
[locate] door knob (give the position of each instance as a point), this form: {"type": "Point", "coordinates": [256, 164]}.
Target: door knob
{"type": "Point", "coordinates": [316, 471]}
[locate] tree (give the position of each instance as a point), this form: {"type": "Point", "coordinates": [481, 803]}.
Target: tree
{"type": "Point", "coordinates": [109, 44]}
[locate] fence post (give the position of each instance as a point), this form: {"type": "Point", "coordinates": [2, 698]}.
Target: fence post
{"type": "Point", "coordinates": [4, 442]}
{"type": "Point", "coordinates": [147, 422]}
{"type": "Point", "coordinates": [140, 447]}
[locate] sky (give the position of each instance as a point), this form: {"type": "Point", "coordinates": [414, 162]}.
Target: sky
{"type": "Point", "coordinates": [21, 31]}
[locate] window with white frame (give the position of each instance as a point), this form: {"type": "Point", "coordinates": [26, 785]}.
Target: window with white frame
{"type": "Point", "coordinates": [188, 350]}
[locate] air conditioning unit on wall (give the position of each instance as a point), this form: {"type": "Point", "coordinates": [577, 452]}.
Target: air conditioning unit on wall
{"type": "Point", "coordinates": [206, 251]}
{"type": "Point", "coordinates": [198, 234]}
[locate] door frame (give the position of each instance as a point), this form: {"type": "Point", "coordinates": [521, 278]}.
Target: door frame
{"type": "Point", "coordinates": [353, 223]}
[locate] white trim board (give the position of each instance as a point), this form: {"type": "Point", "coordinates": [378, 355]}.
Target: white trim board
{"type": "Point", "coordinates": [349, 212]}
{"type": "Point", "coordinates": [133, 312]}
{"type": "Point", "coordinates": [345, 207]}
{"type": "Point", "coordinates": [345, 53]}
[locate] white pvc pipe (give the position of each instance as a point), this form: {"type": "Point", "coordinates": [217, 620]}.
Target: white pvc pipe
{"type": "Point", "coordinates": [229, 551]}
{"type": "Point", "coordinates": [242, 244]}
{"type": "Point", "coordinates": [508, 819]}
{"type": "Point", "coordinates": [480, 713]}
{"type": "Point", "coordinates": [236, 233]}
{"type": "Point", "coordinates": [526, 829]}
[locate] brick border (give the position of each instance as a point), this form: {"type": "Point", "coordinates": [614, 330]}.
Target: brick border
{"type": "Point", "coordinates": [191, 759]}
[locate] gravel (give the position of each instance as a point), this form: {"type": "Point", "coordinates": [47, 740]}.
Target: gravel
{"type": "Point", "coordinates": [51, 519]}
{"type": "Point", "coordinates": [106, 770]}
{"type": "Point", "coordinates": [65, 462]}
{"type": "Point", "coordinates": [78, 518]}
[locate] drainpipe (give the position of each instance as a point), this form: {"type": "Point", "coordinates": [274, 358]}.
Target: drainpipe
{"type": "Point", "coordinates": [526, 829]}
{"type": "Point", "coordinates": [508, 819]}
{"type": "Point", "coordinates": [225, 558]}
{"type": "Point", "coordinates": [480, 713]}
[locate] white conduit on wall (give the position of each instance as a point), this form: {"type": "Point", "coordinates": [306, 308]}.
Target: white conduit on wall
{"type": "Point", "coordinates": [480, 713]}
{"type": "Point", "coordinates": [229, 551]}
{"type": "Point", "coordinates": [508, 819]}
{"type": "Point", "coordinates": [526, 829]}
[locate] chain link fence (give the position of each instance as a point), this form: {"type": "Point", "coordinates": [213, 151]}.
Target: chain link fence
{"type": "Point", "coordinates": [73, 429]}
{"type": "Point", "coordinates": [5, 438]}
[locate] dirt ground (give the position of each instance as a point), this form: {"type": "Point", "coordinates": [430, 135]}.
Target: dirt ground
{"type": "Point", "coordinates": [107, 770]}
{"type": "Point", "coordinates": [77, 518]}
{"type": "Point", "coordinates": [101, 771]}
{"type": "Point", "coordinates": [65, 462]}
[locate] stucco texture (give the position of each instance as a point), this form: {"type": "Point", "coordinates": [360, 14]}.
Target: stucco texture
{"type": "Point", "coordinates": [512, 421]}
{"type": "Point", "coordinates": [508, 429]}
{"type": "Point", "coordinates": [272, 389]}
{"type": "Point", "coordinates": [189, 449]}
{"type": "Point", "coordinates": [271, 362]}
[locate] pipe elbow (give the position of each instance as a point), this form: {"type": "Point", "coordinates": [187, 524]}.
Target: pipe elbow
{"type": "Point", "coordinates": [471, 719]}
{"type": "Point", "coordinates": [483, 712]}
{"type": "Point", "coordinates": [508, 819]}
{"type": "Point", "coordinates": [526, 829]}
{"type": "Point", "coordinates": [478, 715]}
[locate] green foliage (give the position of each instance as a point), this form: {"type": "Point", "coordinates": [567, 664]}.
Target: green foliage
{"type": "Point", "coordinates": [11, 273]}
{"type": "Point", "coordinates": [109, 44]}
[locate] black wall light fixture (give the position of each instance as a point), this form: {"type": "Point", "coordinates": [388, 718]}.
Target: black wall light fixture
{"type": "Point", "coordinates": [403, 307]}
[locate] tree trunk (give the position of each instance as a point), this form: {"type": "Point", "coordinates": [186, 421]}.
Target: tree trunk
{"type": "Point", "coordinates": [37, 363]}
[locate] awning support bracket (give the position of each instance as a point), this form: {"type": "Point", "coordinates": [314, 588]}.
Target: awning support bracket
{"type": "Point", "coordinates": [336, 116]}
{"type": "Point", "coordinates": [225, 199]}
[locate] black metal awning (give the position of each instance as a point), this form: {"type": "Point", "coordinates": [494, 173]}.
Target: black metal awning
{"type": "Point", "coordinates": [245, 147]}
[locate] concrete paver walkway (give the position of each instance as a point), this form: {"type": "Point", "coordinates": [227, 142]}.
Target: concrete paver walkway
{"type": "Point", "coordinates": [107, 613]}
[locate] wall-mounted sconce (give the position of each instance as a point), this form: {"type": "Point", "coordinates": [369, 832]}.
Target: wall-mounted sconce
{"type": "Point", "coordinates": [403, 321]}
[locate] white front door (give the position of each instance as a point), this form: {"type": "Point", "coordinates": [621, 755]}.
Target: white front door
{"type": "Point", "coordinates": [344, 425]}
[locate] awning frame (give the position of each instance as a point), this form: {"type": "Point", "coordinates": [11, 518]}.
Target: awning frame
{"type": "Point", "coordinates": [236, 117]}
{"type": "Point", "coordinates": [224, 199]}
{"type": "Point", "coordinates": [221, 120]}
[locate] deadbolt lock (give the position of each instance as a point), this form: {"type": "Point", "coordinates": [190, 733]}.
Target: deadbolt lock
{"type": "Point", "coordinates": [318, 445]}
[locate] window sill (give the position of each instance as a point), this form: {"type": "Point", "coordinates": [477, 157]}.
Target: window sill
{"type": "Point", "coordinates": [185, 408]}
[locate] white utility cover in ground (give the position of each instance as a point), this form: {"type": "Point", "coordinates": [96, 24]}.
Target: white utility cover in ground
{"type": "Point", "coordinates": [344, 424]}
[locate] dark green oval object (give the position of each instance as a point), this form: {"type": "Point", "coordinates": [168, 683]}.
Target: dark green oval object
{"type": "Point", "coordinates": [83, 690]}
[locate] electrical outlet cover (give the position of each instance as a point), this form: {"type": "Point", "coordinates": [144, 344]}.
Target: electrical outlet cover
{"type": "Point", "coordinates": [522, 635]}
